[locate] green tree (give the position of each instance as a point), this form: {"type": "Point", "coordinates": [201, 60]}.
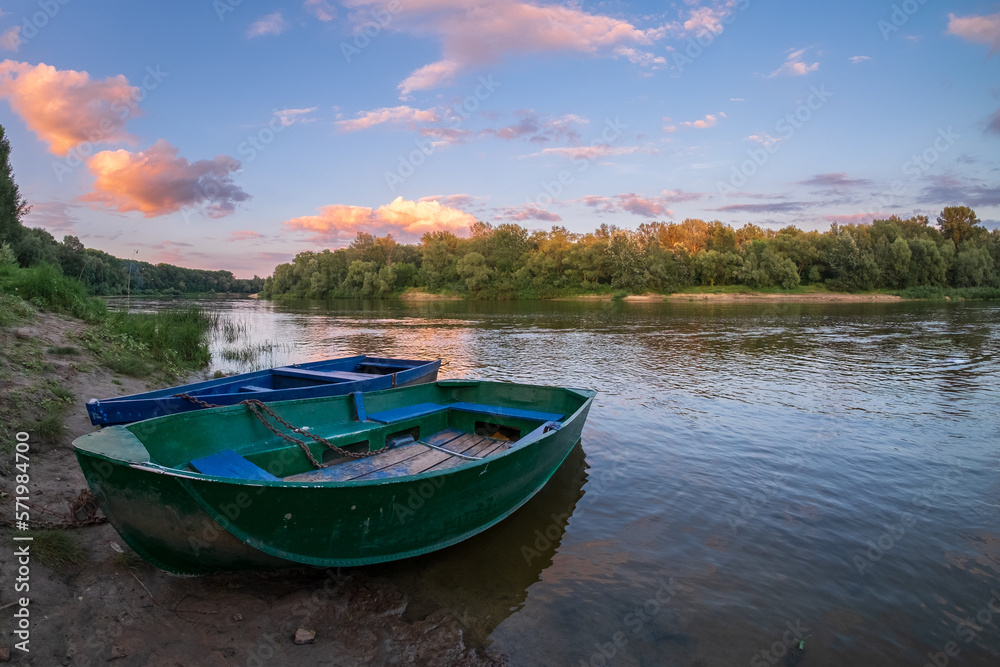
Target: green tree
{"type": "Point", "coordinates": [474, 270]}
{"type": "Point", "coordinates": [12, 206]}
{"type": "Point", "coordinates": [958, 223]}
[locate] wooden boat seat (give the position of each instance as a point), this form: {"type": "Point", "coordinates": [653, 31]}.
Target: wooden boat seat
{"type": "Point", "coordinates": [326, 376]}
{"type": "Point", "coordinates": [228, 463]}
{"type": "Point", "coordinates": [409, 459]}
{"type": "Point", "coordinates": [423, 409]}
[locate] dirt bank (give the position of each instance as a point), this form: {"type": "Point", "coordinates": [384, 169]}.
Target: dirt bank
{"type": "Point", "coordinates": [416, 295]}
{"type": "Point", "coordinates": [112, 608]}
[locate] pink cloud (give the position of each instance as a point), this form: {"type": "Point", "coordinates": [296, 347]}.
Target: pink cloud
{"type": "Point", "coordinates": [528, 212]}
{"type": "Point", "coordinates": [52, 215]}
{"type": "Point", "coordinates": [594, 152]}
{"type": "Point", "coordinates": [400, 115]}
{"type": "Point", "coordinates": [404, 219]}
{"type": "Point", "coordinates": [272, 24]}
{"type": "Point", "coordinates": [158, 181]}
{"type": "Point", "coordinates": [794, 65]}
{"type": "Point", "coordinates": [245, 235]}
{"type": "Point", "coordinates": [648, 207]}
{"type": "Point", "coordinates": [66, 108]}
{"type": "Point", "coordinates": [454, 201]}
{"type": "Point", "coordinates": [981, 29]}
{"type": "Point", "coordinates": [11, 39]}
{"type": "Point", "coordinates": [321, 9]}
{"type": "Point", "coordinates": [473, 34]}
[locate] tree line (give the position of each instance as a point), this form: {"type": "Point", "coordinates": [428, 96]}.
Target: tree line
{"type": "Point", "coordinates": [100, 272]}
{"type": "Point", "coordinates": [507, 261]}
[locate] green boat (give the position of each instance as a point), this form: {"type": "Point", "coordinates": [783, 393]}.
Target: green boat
{"type": "Point", "coordinates": [337, 481]}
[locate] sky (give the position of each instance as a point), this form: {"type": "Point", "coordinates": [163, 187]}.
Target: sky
{"type": "Point", "coordinates": [230, 134]}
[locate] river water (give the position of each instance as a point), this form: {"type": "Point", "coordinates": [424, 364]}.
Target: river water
{"type": "Point", "coordinates": [751, 475]}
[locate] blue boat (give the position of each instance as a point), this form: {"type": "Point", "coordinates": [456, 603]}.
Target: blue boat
{"type": "Point", "coordinates": [314, 379]}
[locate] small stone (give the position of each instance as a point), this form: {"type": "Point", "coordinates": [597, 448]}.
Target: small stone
{"type": "Point", "coordinates": [117, 652]}
{"type": "Point", "coordinates": [4, 654]}
{"type": "Point", "coordinates": [303, 636]}
{"type": "Point", "coordinates": [23, 334]}
{"type": "Point", "coordinates": [237, 617]}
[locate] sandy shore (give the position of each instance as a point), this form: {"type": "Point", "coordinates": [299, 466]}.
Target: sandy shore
{"type": "Point", "coordinates": [114, 609]}
{"type": "Point", "coordinates": [427, 296]}
{"type": "Point", "coordinates": [736, 297]}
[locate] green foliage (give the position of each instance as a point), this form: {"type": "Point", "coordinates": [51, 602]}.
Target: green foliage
{"type": "Point", "coordinates": [14, 310]}
{"type": "Point", "coordinates": [45, 286]}
{"type": "Point", "coordinates": [505, 261]}
{"type": "Point", "coordinates": [54, 548]}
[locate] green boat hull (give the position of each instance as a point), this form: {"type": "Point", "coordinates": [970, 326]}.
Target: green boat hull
{"type": "Point", "coordinates": [186, 522]}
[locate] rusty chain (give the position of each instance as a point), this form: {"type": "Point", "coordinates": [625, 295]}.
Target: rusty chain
{"type": "Point", "coordinates": [255, 406]}
{"type": "Point", "coordinates": [84, 503]}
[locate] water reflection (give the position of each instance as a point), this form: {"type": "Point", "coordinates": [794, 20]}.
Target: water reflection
{"type": "Point", "coordinates": [485, 579]}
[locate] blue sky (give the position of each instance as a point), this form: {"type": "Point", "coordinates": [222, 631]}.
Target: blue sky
{"type": "Point", "coordinates": [233, 135]}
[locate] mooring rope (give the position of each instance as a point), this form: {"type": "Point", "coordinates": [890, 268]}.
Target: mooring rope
{"type": "Point", "coordinates": [256, 406]}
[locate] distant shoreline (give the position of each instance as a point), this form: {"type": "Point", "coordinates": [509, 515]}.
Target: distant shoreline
{"type": "Point", "coordinates": [718, 297]}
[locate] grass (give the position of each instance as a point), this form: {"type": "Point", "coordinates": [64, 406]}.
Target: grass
{"type": "Point", "coordinates": [935, 293]}
{"type": "Point", "coordinates": [141, 344]}
{"type": "Point", "coordinates": [64, 350]}
{"type": "Point", "coordinates": [255, 355]}
{"type": "Point", "coordinates": [55, 548]}
{"type": "Point", "coordinates": [14, 310]}
{"type": "Point", "coordinates": [47, 288]}
{"type": "Point", "coordinates": [128, 560]}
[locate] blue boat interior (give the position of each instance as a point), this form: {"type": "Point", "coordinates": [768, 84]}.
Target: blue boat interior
{"type": "Point", "coordinates": [425, 437]}
{"type": "Point", "coordinates": [290, 377]}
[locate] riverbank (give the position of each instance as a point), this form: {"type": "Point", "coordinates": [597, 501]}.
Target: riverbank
{"type": "Point", "coordinates": [94, 601]}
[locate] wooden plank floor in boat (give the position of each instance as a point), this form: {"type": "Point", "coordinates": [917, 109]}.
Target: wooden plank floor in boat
{"type": "Point", "coordinates": [409, 459]}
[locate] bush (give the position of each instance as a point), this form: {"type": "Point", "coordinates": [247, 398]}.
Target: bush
{"type": "Point", "coordinates": [45, 286]}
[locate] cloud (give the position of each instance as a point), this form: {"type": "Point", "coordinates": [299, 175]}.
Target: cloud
{"type": "Point", "coordinates": [647, 207]}
{"type": "Point", "coordinates": [981, 29]}
{"type": "Point", "coordinates": [447, 135]}
{"type": "Point", "coordinates": [593, 152]}
{"type": "Point", "coordinates": [321, 9]}
{"type": "Point", "coordinates": [429, 76]}
{"type": "Point", "coordinates": [245, 235]}
{"type": "Point", "coordinates": [540, 129]}
{"type": "Point", "coordinates": [11, 39]}
{"type": "Point", "coordinates": [66, 108]}
{"type": "Point", "coordinates": [404, 219]}
{"type": "Point", "coordinates": [776, 207]}
{"type": "Point", "coordinates": [51, 215]}
{"type": "Point", "coordinates": [705, 20]}
{"type": "Point", "coordinates": [794, 65]}
{"type": "Point", "coordinates": [836, 180]}
{"type": "Point", "coordinates": [993, 122]}
{"type": "Point", "coordinates": [454, 201]}
{"type": "Point", "coordinates": [702, 124]}
{"type": "Point", "coordinates": [855, 218]}
{"type": "Point", "coordinates": [401, 114]}
{"type": "Point", "coordinates": [272, 24]}
{"type": "Point", "coordinates": [474, 34]}
{"type": "Point", "coordinates": [158, 181]}
{"type": "Point", "coordinates": [764, 139]}
{"type": "Point", "coordinates": [857, 60]}
{"type": "Point", "coordinates": [950, 191]}
{"type": "Point", "coordinates": [528, 212]}
{"type": "Point", "coordinates": [291, 116]}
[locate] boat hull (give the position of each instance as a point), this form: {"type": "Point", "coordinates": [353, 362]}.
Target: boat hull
{"type": "Point", "coordinates": [136, 407]}
{"type": "Point", "coordinates": [189, 523]}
